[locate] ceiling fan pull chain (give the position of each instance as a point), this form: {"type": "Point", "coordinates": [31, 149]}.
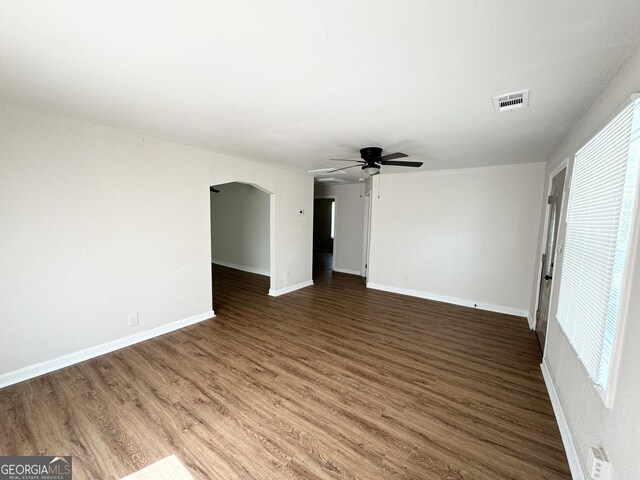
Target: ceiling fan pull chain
{"type": "Point", "coordinates": [379, 183]}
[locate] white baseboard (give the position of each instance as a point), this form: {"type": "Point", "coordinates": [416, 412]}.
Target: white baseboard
{"type": "Point", "coordinates": [47, 366]}
{"type": "Point", "coordinates": [531, 320]}
{"type": "Point", "coordinates": [345, 270]}
{"type": "Point", "coordinates": [453, 300]}
{"type": "Point", "coordinates": [570, 448]}
{"type": "Point", "coordinates": [243, 268]}
{"type": "Point", "coordinates": [291, 288]}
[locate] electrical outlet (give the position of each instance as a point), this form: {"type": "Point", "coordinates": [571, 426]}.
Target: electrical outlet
{"type": "Point", "coordinates": [599, 466]}
{"type": "Point", "coordinates": [133, 320]}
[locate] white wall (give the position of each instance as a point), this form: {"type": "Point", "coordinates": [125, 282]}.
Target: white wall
{"type": "Point", "coordinates": [240, 228]}
{"type": "Point", "coordinates": [463, 236]}
{"type": "Point", "coordinates": [589, 422]}
{"type": "Point", "coordinates": [348, 227]}
{"type": "Point", "coordinates": [98, 223]}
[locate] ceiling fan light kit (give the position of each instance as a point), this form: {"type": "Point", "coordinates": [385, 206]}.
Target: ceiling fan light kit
{"type": "Point", "coordinates": [371, 169]}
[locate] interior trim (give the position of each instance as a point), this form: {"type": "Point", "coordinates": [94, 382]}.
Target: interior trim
{"type": "Point", "coordinates": [452, 300]}
{"type": "Point", "coordinates": [244, 268]}
{"type": "Point", "coordinates": [37, 369]}
{"type": "Point", "coordinates": [345, 270]}
{"type": "Point", "coordinates": [289, 289]}
{"type": "Point", "coordinates": [567, 439]}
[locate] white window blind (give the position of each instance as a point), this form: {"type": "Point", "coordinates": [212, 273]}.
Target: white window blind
{"type": "Point", "coordinates": [599, 225]}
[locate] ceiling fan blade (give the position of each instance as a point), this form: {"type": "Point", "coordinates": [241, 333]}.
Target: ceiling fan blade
{"type": "Point", "coordinates": [402, 164]}
{"type": "Point", "coordinates": [344, 168]}
{"type": "Point", "coordinates": [345, 160]}
{"type": "Point", "coordinates": [391, 156]}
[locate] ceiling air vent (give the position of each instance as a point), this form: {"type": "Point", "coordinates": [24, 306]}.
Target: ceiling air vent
{"type": "Point", "coordinates": [511, 101]}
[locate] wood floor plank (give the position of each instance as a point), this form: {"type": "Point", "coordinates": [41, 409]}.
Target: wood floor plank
{"type": "Point", "coordinates": [334, 381]}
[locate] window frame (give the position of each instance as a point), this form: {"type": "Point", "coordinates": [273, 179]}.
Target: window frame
{"type": "Point", "coordinates": [607, 392]}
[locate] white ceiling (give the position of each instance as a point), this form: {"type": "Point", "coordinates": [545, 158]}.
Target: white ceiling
{"type": "Point", "coordinates": [294, 83]}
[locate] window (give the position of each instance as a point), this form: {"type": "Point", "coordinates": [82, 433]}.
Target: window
{"type": "Point", "coordinates": [600, 217]}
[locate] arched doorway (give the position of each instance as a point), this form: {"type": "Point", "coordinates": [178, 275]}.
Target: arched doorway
{"type": "Point", "coordinates": [241, 232]}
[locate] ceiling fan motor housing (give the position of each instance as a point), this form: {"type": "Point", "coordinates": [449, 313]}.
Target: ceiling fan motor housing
{"type": "Point", "coordinates": [369, 154]}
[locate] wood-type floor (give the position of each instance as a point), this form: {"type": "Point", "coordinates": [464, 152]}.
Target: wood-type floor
{"type": "Point", "coordinates": [331, 381]}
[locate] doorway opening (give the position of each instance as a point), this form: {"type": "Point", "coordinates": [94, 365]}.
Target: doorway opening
{"type": "Point", "coordinates": [241, 219]}
{"type": "Point", "coordinates": [324, 231]}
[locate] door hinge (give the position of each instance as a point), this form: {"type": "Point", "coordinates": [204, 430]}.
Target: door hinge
{"type": "Point", "coordinates": [549, 199]}
{"type": "Point", "coordinates": [538, 314]}
{"type": "Point", "coordinates": [544, 257]}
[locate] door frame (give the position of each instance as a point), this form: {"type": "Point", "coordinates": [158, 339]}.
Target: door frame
{"type": "Point", "coordinates": [335, 225]}
{"type": "Point", "coordinates": [564, 164]}
{"type": "Point", "coordinates": [366, 237]}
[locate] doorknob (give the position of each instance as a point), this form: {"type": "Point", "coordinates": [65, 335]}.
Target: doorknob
{"type": "Point", "coordinates": [547, 277]}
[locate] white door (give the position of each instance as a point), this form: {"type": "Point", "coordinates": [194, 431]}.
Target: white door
{"type": "Point", "coordinates": [549, 254]}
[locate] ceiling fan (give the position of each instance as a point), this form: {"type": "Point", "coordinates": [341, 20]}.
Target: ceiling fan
{"type": "Point", "coordinates": [372, 160]}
